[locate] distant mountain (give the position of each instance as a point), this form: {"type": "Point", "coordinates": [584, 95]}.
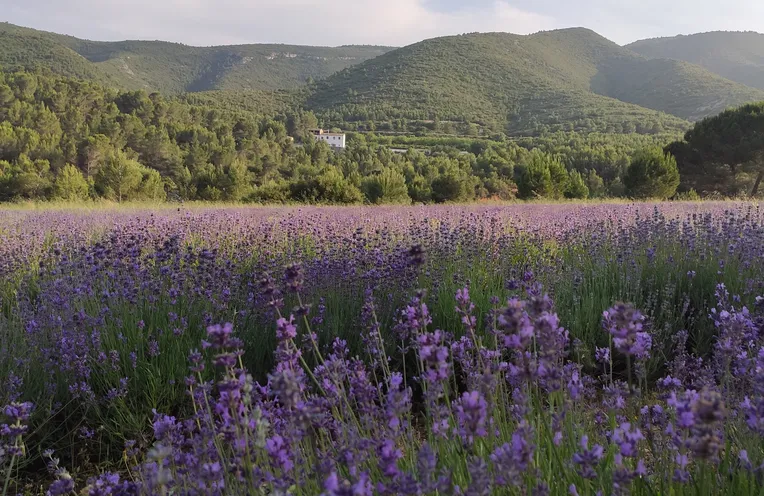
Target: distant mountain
{"type": "Point", "coordinates": [564, 80]}
{"type": "Point", "coordinates": [737, 56]}
{"type": "Point", "coordinates": [553, 80]}
{"type": "Point", "coordinates": [176, 68]}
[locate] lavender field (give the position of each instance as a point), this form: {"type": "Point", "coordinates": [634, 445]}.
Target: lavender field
{"type": "Point", "coordinates": [531, 349]}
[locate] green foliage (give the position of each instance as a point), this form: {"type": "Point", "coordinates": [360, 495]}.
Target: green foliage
{"type": "Point", "coordinates": [576, 186]}
{"type": "Point", "coordinates": [419, 190]}
{"type": "Point", "coordinates": [675, 87]}
{"type": "Point", "coordinates": [690, 195]}
{"type": "Point", "coordinates": [652, 174]}
{"type": "Point", "coordinates": [724, 153]}
{"type": "Point", "coordinates": [476, 85]}
{"type": "Point", "coordinates": [566, 80]}
{"type": "Point", "coordinates": [176, 68]}
{"type": "Point", "coordinates": [558, 175]}
{"type": "Point", "coordinates": [184, 151]}
{"type": "Point", "coordinates": [616, 188]}
{"type": "Point", "coordinates": [119, 178]}
{"type": "Point", "coordinates": [330, 186]}
{"type": "Point", "coordinates": [71, 185]}
{"type": "Point", "coordinates": [737, 56]}
{"type": "Point", "coordinates": [499, 188]}
{"type": "Point", "coordinates": [151, 187]}
{"type": "Point", "coordinates": [25, 179]}
{"type": "Point", "coordinates": [542, 175]}
{"type": "Point", "coordinates": [271, 192]}
{"type": "Point", "coordinates": [595, 185]}
{"type": "Point", "coordinates": [449, 188]}
{"type": "Point", "coordinates": [389, 186]}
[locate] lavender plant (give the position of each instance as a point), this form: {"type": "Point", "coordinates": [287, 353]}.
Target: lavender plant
{"type": "Point", "coordinates": [490, 358]}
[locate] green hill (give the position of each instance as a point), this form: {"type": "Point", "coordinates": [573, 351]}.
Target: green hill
{"type": "Point", "coordinates": [21, 47]}
{"type": "Point", "coordinates": [557, 80]}
{"type": "Point", "coordinates": [564, 80]}
{"type": "Point", "coordinates": [737, 56]}
{"type": "Point", "coordinates": [177, 68]}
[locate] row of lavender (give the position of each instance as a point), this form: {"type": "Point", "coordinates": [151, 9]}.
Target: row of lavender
{"type": "Point", "coordinates": [468, 386]}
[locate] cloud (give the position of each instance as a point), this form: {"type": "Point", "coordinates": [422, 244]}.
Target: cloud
{"type": "Point", "coordinates": [313, 22]}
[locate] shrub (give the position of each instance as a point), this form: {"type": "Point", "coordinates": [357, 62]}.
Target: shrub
{"type": "Point", "coordinates": [576, 187]}
{"type": "Point", "coordinates": [71, 184]}
{"type": "Point", "coordinates": [389, 186]}
{"type": "Point", "coordinates": [652, 174]}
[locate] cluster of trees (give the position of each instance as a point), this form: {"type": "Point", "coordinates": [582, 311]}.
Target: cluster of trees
{"type": "Point", "coordinates": [64, 138]}
{"type": "Point", "coordinates": [532, 121]}
{"type": "Point", "coordinates": [725, 153]}
{"type": "Point", "coordinates": [73, 140]}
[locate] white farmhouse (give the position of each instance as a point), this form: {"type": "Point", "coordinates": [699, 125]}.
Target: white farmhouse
{"type": "Point", "coordinates": [335, 140]}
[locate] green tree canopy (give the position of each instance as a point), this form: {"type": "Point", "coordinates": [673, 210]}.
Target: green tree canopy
{"type": "Point", "coordinates": [449, 187]}
{"type": "Point", "coordinates": [724, 153]}
{"type": "Point", "coordinates": [119, 177]}
{"type": "Point", "coordinates": [389, 186]}
{"type": "Point", "coordinates": [576, 186]}
{"type": "Point", "coordinates": [652, 174]}
{"type": "Point", "coordinates": [70, 184]}
{"type": "Point", "coordinates": [543, 175]}
{"type": "Point", "coordinates": [595, 184]}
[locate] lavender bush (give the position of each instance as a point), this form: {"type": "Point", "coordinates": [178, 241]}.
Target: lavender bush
{"type": "Point", "coordinates": [456, 350]}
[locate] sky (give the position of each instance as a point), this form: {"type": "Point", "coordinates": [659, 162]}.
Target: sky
{"type": "Point", "coordinates": [381, 22]}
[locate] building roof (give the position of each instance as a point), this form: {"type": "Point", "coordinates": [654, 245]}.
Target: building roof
{"type": "Point", "coordinates": [321, 132]}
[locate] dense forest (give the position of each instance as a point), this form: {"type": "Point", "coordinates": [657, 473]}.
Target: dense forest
{"type": "Point", "coordinates": [563, 80]}
{"type": "Point", "coordinates": [735, 55]}
{"type": "Point", "coordinates": [477, 85]}
{"type": "Point", "coordinates": [174, 68]}
{"type": "Point", "coordinates": [70, 139]}
{"type": "Point", "coordinates": [724, 153]}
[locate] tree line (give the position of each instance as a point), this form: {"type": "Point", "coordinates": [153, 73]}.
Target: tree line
{"type": "Point", "coordinates": [62, 138]}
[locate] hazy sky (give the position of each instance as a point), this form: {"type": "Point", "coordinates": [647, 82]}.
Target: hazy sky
{"type": "Point", "coordinates": [389, 22]}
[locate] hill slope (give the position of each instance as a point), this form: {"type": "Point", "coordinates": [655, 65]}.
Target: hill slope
{"type": "Point", "coordinates": [176, 68]}
{"type": "Point", "coordinates": [551, 79]}
{"type": "Point", "coordinates": [737, 56]}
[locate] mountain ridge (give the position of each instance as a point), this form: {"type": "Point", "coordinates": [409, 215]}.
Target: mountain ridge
{"type": "Point", "coordinates": [735, 55]}
{"type": "Point", "coordinates": [173, 67]}
{"type": "Point", "coordinates": [503, 76]}
{"type": "Point", "coordinates": [570, 79]}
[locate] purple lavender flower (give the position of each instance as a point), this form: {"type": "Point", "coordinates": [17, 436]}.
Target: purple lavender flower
{"type": "Point", "coordinates": [587, 459]}
{"type": "Point", "coordinates": [416, 256]}
{"type": "Point", "coordinates": [388, 458]}
{"type": "Point", "coordinates": [627, 439]}
{"type": "Point", "coordinates": [219, 336]}
{"type": "Point", "coordinates": [61, 487]}
{"type": "Point", "coordinates": [397, 404]}
{"type": "Point", "coordinates": [512, 460]}
{"type": "Point", "coordinates": [710, 412]}
{"type": "Point", "coordinates": [278, 450]}
{"type": "Point", "coordinates": [471, 413]}
{"type": "Point", "coordinates": [293, 277]}
{"type": "Point", "coordinates": [434, 355]}
{"type": "Point", "coordinates": [625, 324]}
{"type": "Point", "coordinates": [153, 351]}
{"type": "Point", "coordinates": [602, 355]}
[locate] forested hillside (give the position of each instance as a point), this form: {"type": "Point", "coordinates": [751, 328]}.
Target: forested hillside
{"type": "Point", "coordinates": [477, 84]}
{"type": "Point", "coordinates": [569, 79]}
{"type": "Point", "coordinates": [737, 56]}
{"type": "Point", "coordinates": [556, 114]}
{"type": "Point", "coordinates": [70, 139]}
{"type": "Point", "coordinates": [173, 67]}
